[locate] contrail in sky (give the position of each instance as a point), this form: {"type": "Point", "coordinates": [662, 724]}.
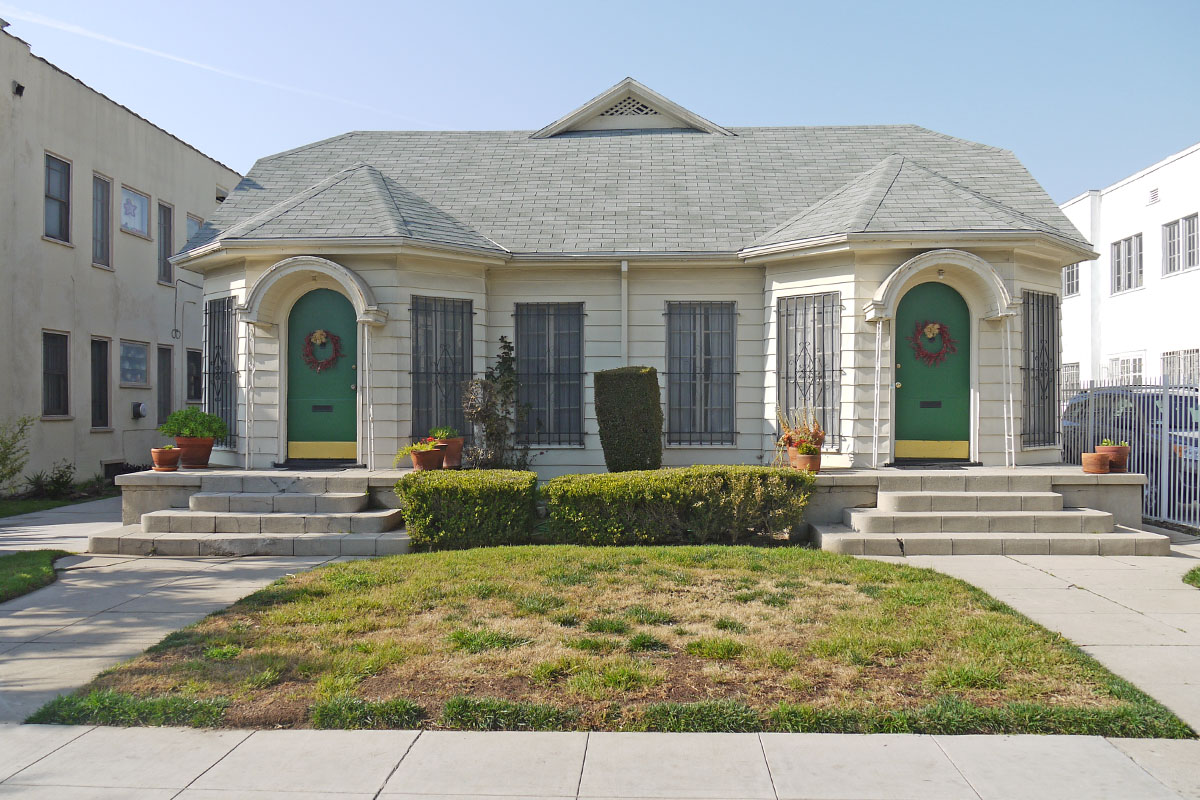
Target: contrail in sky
{"type": "Point", "coordinates": [10, 13]}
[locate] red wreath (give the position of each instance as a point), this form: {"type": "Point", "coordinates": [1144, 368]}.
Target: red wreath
{"type": "Point", "coordinates": [929, 330]}
{"type": "Point", "coordinates": [310, 358]}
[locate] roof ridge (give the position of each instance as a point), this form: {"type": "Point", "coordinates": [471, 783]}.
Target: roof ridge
{"type": "Point", "coordinates": [1009, 210]}
{"type": "Point", "coordinates": [403, 228]}
{"type": "Point", "coordinates": [898, 161]}
{"type": "Point", "coordinates": [287, 204]}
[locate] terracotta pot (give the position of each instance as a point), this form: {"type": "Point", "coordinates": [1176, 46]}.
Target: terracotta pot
{"type": "Point", "coordinates": [165, 460]}
{"type": "Point", "coordinates": [194, 451]}
{"type": "Point", "coordinates": [426, 459]}
{"type": "Point", "coordinates": [1118, 456]}
{"type": "Point", "coordinates": [454, 448]}
{"type": "Point", "coordinates": [797, 461]}
{"type": "Point", "coordinates": [1095, 463]}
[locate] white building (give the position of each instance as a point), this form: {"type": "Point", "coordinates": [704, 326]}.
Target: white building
{"type": "Point", "coordinates": [94, 317]}
{"type": "Point", "coordinates": [1131, 314]}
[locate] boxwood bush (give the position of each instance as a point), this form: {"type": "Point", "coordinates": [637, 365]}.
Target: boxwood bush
{"type": "Point", "coordinates": [691, 504]}
{"type": "Point", "coordinates": [629, 413]}
{"type": "Point", "coordinates": [453, 509]}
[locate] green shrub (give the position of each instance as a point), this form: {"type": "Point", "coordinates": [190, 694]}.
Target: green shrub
{"type": "Point", "coordinates": [492, 714]}
{"type": "Point", "coordinates": [629, 413]}
{"type": "Point", "coordinates": [453, 509]}
{"type": "Point", "coordinates": [14, 450]}
{"type": "Point", "coordinates": [346, 712]}
{"type": "Point", "coordinates": [193, 423]}
{"type": "Point", "coordinates": [691, 504]}
{"type": "Point", "coordinates": [706, 716]}
{"type": "Point", "coordinates": [107, 707]}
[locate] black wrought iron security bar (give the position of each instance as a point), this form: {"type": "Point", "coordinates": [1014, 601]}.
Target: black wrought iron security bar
{"type": "Point", "coordinates": [809, 358]}
{"type": "Point", "coordinates": [550, 376]}
{"type": "Point", "coordinates": [220, 365]}
{"type": "Point", "coordinates": [442, 362]}
{"type": "Point", "coordinates": [701, 376]}
{"type": "Point", "coordinates": [1040, 369]}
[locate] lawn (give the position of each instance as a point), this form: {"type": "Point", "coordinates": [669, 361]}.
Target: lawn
{"type": "Point", "coordinates": [622, 638]}
{"type": "Point", "coordinates": [1193, 577]}
{"type": "Point", "coordinates": [10, 507]}
{"type": "Point", "coordinates": [21, 573]}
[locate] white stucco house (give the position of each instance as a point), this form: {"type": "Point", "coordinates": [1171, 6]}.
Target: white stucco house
{"type": "Point", "coordinates": [1130, 315]}
{"type": "Point", "coordinates": [902, 284]}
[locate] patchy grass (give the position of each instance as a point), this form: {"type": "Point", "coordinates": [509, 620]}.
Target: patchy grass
{"type": "Point", "coordinates": [1193, 577]}
{"type": "Point", "coordinates": [21, 573]}
{"type": "Point", "coordinates": [685, 638]}
{"type": "Point", "coordinates": [10, 507]}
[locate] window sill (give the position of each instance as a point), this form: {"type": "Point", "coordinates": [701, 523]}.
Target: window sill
{"type": "Point", "coordinates": [57, 417]}
{"type": "Point", "coordinates": [1127, 291]}
{"type": "Point", "coordinates": [700, 447]}
{"type": "Point", "coordinates": [554, 446]}
{"type": "Point", "coordinates": [134, 385]}
{"type": "Point", "coordinates": [104, 267]}
{"type": "Point", "coordinates": [101, 430]}
{"type": "Point", "coordinates": [1027, 448]}
{"type": "Point", "coordinates": [138, 234]}
{"type": "Point", "coordinates": [170, 285]}
{"type": "Point", "coordinates": [1181, 271]}
{"type": "Point", "coordinates": [52, 240]}
{"type": "Point", "coordinates": [198, 401]}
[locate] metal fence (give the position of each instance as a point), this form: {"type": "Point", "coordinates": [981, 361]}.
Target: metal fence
{"type": "Point", "coordinates": [1160, 421]}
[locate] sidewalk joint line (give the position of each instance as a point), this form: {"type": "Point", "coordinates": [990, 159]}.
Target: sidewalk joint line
{"type": "Point", "coordinates": [766, 762]}
{"type": "Point", "coordinates": [395, 767]}
{"type": "Point", "coordinates": [206, 770]}
{"type": "Point", "coordinates": [961, 774]}
{"type": "Point", "coordinates": [587, 738]}
{"type": "Point", "coordinates": [48, 754]}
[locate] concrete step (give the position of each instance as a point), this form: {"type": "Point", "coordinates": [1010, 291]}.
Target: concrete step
{"type": "Point", "coordinates": [181, 521]}
{"type": "Point", "coordinates": [961, 481]}
{"type": "Point", "coordinates": [132, 540]}
{"type": "Point", "coordinates": [285, 502]}
{"type": "Point", "coordinates": [1074, 520]}
{"type": "Point", "coordinates": [838, 538]}
{"type": "Point", "coordinates": [969, 501]}
{"type": "Point", "coordinates": [272, 483]}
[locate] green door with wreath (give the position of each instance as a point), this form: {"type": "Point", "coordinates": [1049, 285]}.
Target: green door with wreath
{"type": "Point", "coordinates": [933, 374]}
{"type": "Point", "coordinates": [322, 377]}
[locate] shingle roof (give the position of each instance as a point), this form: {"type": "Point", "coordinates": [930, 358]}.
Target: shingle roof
{"type": "Point", "coordinates": [667, 191]}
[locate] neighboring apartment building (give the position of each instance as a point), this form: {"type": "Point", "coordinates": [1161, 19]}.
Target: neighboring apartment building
{"type": "Point", "coordinates": [1131, 315]}
{"type": "Point", "coordinates": [95, 321]}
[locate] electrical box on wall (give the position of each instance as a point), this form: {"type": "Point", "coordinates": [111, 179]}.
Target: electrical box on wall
{"type": "Point", "coordinates": [139, 410]}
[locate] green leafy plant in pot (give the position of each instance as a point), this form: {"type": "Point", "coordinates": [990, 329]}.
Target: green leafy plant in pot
{"type": "Point", "coordinates": [428, 453]}
{"type": "Point", "coordinates": [449, 436]}
{"type": "Point", "coordinates": [1118, 454]}
{"type": "Point", "coordinates": [194, 431]}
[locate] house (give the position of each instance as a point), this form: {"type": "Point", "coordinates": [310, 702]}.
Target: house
{"type": "Point", "coordinates": [901, 284]}
{"type": "Point", "coordinates": [102, 333]}
{"type": "Point", "coordinates": [1129, 315]}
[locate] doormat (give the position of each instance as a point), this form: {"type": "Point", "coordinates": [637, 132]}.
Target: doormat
{"type": "Point", "coordinates": [933, 464]}
{"type": "Point", "coordinates": [324, 464]}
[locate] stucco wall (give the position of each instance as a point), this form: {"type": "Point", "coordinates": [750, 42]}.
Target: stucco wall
{"type": "Point", "coordinates": [53, 286]}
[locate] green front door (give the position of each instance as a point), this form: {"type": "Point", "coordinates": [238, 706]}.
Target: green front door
{"type": "Point", "coordinates": [933, 383]}
{"type": "Point", "coordinates": [321, 389]}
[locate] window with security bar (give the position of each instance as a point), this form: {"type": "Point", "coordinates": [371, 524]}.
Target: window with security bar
{"type": "Point", "coordinates": [441, 362]}
{"type": "Point", "coordinates": [220, 374]}
{"type": "Point", "coordinates": [809, 359]}
{"type": "Point", "coordinates": [700, 372]}
{"type": "Point", "coordinates": [550, 372]}
{"type": "Point", "coordinates": [1041, 369]}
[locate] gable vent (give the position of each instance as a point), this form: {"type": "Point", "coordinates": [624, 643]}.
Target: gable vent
{"type": "Point", "coordinates": [1153, 196]}
{"type": "Point", "coordinates": [629, 107]}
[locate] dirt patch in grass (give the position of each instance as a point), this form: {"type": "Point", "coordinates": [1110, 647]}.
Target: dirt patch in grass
{"type": "Point", "coordinates": [636, 638]}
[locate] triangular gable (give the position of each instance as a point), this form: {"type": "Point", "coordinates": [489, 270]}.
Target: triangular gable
{"type": "Point", "coordinates": [629, 106]}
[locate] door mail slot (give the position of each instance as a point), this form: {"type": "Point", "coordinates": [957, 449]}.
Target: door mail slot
{"type": "Point", "coordinates": [931, 404]}
{"type": "Point", "coordinates": [322, 409]}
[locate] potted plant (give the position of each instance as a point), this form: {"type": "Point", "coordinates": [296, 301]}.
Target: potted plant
{"type": "Point", "coordinates": [1118, 454]}
{"type": "Point", "coordinates": [166, 458]}
{"type": "Point", "coordinates": [805, 455]}
{"type": "Point", "coordinates": [194, 432]}
{"type": "Point", "coordinates": [801, 437]}
{"type": "Point", "coordinates": [1095, 463]}
{"type": "Point", "coordinates": [425, 454]}
{"type": "Point", "coordinates": [453, 440]}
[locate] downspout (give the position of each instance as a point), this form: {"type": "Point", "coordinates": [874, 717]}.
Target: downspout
{"type": "Point", "coordinates": [878, 377]}
{"type": "Point", "coordinates": [624, 313]}
{"type": "Point", "coordinates": [366, 379]}
{"type": "Point", "coordinates": [249, 393]}
{"type": "Point", "coordinates": [1010, 423]}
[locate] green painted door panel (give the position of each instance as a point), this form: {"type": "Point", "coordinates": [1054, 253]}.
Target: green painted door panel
{"type": "Point", "coordinates": [933, 403]}
{"type": "Point", "coordinates": [321, 405]}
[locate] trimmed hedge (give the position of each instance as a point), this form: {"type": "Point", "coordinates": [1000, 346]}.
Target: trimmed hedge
{"type": "Point", "coordinates": [629, 413]}
{"type": "Point", "coordinates": [691, 504]}
{"type": "Point", "coordinates": [453, 509]}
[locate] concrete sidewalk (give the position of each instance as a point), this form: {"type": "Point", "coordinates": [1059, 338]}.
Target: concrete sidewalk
{"type": "Point", "coordinates": [144, 764]}
{"type": "Point", "coordinates": [105, 609]}
{"type": "Point", "coordinates": [62, 528]}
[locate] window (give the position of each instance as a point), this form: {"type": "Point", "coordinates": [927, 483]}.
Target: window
{"type": "Point", "coordinates": [135, 212]}
{"type": "Point", "coordinates": [100, 383]}
{"type": "Point", "coordinates": [55, 361]}
{"type": "Point", "coordinates": [550, 372]}
{"type": "Point", "coordinates": [1181, 245]}
{"type": "Point", "coordinates": [165, 374]}
{"type": "Point", "coordinates": [1070, 280]}
{"type": "Point", "coordinates": [58, 199]}
{"type": "Point", "coordinates": [1126, 368]}
{"type": "Point", "coordinates": [195, 376]}
{"type": "Point", "coordinates": [222, 193]}
{"type": "Point", "coordinates": [1182, 367]}
{"type": "Point", "coordinates": [101, 221]}
{"type": "Point", "coordinates": [1070, 381]}
{"type": "Point", "coordinates": [194, 224]}
{"type": "Point", "coordinates": [809, 359]}
{"type": "Point", "coordinates": [1040, 369]}
{"type": "Point", "coordinates": [220, 379]}
{"type": "Point", "coordinates": [166, 243]}
{"type": "Point", "coordinates": [700, 372]}
{"type": "Point", "coordinates": [135, 367]}
{"type": "Point", "coordinates": [441, 366]}
{"type": "Point", "coordinates": [1127, 264]}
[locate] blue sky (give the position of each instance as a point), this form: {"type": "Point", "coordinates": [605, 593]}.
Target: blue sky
{"type": "Point", "coordinates": [1084, 92]}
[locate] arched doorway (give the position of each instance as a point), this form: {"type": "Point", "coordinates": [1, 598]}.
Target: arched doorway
{"type": "Point", "coordinates": [322, 377]}
{"type": "Point", "coordinates": [933, 374]}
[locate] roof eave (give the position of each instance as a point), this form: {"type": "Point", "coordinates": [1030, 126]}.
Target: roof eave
{"type": "Point", "coordinates": [1047, 243]}
{"type": "Point", "coordinates": [214, 252]}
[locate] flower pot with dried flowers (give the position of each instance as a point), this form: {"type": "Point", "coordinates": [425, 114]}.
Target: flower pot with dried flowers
{"type": "Point", "coordinates": [166, 458]}
{"type": "Point", "coordinates": [800, 440]}
{"type": "Point", "coordinates": [805, 456]}
{"type": "Point", "coordinates": [1096, 463]}
{"type": "Point", "coordinates": [1118, 454]}
{"type": "Point", "coordinates": [453, 440]}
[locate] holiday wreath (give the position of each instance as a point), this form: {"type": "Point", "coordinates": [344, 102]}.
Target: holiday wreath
{"type": "Point", "coordinates": [931, 330]}
{"type": "Point", "coordinates": [318, 338]}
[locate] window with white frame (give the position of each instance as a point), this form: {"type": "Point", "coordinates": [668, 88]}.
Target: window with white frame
{"type": "Point", "coordinates": [442, 361]}
{"type": "Point", "coordinates": [55, 374]}
{"type": "Point", "coordinates": [1182, 366]}
{"type": "Point", "coordinates": [135, 364]}
{"type": "Point", "coordinates": [809, 359]}
{"type": "Point", "coordinates": [1126, 368]}
{"type": "Point", "coordinates": [550, 372]}
{"type": "Point", "coordinates": [700, 372]}
{"type": "Point", "coordinates": [1070, 280]}
{"type": "Point", "coordinates": [135, 212]}
{"type": "Point", "coordinates": [1181, 245]}
{"type": "Point", "coordinates": [1127, 264]}
{"type": "Point", "coordinates": [1070, 381]}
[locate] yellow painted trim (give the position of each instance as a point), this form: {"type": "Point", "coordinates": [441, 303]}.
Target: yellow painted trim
{"type": "Point", "coordinates": [919, 448]}
{"type": "Point", "coordinates": [322, 450]}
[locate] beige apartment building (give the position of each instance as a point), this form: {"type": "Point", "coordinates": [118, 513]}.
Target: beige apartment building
{"type": "Point", "coordinates": [102, 335]}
